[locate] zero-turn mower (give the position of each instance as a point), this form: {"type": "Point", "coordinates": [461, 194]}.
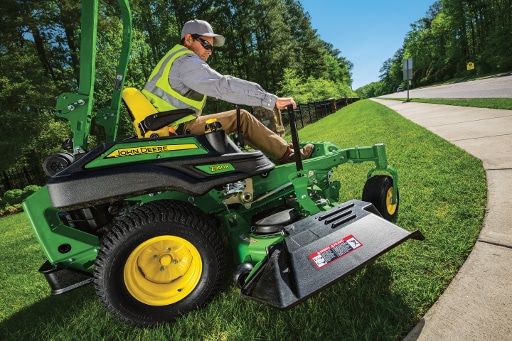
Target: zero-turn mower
{"type": "Point", "coordinates": [144, 218]}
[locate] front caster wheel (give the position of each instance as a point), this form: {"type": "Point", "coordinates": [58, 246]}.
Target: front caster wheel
{"type": "Point", "coordinates": [379, 190]}
{"type": "Point", "coordinates": [158, 262]}
{"type": "Point", "coordinates": [240, 275]}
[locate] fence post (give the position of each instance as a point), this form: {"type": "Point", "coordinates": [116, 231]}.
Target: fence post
{"type": "Point", "coordinates": [333, 105]}
{"type": "Point", "coordinates": [27, 176]}
{"type": "Point", "coordinates": [6, 181]}
{"type": "Point", "coordinates": [316, 112]}
{"type": "Point", "coordinates": [309, 112]}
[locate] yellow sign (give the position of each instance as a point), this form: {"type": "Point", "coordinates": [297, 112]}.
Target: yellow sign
{"type": "Point", "coordinates": [470, 66]}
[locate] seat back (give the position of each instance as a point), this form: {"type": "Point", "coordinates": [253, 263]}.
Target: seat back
{"type": "Point", "coordinates": [139, 108]}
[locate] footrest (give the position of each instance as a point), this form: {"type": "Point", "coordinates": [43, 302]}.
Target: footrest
{"type": "Point", "coordinates": [62, 280]}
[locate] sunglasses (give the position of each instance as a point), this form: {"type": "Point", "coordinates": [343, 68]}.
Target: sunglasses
{"type": "Point", "coordinates": [203, 42]}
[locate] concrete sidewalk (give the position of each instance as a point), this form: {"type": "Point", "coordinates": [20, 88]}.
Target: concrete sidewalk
{"type": "Point", "coordinates": [477, 305]}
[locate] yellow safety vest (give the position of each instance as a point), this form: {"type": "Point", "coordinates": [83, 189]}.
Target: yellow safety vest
{"type": "Point", "coordinates": [158, 90]}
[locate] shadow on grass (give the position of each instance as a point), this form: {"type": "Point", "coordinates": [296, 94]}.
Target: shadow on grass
{"type": "Point", "coordinates": [38, 319]}
{"type": "Point", "coordinates": [362, 307]}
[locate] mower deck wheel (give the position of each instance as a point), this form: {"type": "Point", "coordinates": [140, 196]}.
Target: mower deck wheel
{"type": "Point", "coordinates": [378, 190]}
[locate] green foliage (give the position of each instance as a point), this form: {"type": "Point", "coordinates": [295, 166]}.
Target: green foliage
{"type": "Point", "coordinates": [10, 209]}
{"type": "Point", "coordinates": [453, 33]}
{"type": "Point", "coordinates": [312, 89]}
{"type": "Point", "coordinates": [13, 196]}
{"type": "Point", "coordinates": [11, 201]}
{"type": "Point", "coordinates": [374, 89]}
{"type": "Point", "coordinates": [28, 190]}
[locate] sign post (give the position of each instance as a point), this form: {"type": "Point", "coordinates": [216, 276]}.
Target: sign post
{"type": "Point", "coordinates": [470, 67]}
{"type": "Point", "coordinates": [408, 74]}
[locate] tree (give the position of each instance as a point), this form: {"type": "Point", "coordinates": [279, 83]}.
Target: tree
{"type": "Point", "coordinates": [453, 33]}
{"type": "Point", "coordinates": [312, 89]}
{"type": "Point", "coordinates": [40, 51]}
{"type": "Point", "coordinates": [30, 71]}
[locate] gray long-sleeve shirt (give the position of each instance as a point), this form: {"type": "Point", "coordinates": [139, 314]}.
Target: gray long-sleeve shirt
{"type": "Point", "coordinates": [192, 77]}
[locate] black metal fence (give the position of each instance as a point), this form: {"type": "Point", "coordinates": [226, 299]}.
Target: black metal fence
{"type": "Point", "coordinates": [312, 112]}
{"type": "Point", "coordinates": [20, 178]}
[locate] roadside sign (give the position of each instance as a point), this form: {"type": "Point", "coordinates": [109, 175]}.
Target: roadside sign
{"type": "Point", "coordinates": [408, 69]}
{"type": "Point", "coordinates": [408, 74]}
{"type": "Point", "coordinates": [470, 66]}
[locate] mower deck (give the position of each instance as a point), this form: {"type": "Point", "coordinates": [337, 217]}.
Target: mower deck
{"type": "Point", "coordinates": [322, 249]}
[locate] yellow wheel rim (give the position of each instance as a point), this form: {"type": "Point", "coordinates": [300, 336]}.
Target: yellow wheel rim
{"type": "Point", "coordinates": [391, 208]}
{"type": "Point", "coordinates": [162, 270]}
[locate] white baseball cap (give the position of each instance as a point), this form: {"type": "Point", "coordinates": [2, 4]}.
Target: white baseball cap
{"type": "Point", "coordinates": [202, 28]}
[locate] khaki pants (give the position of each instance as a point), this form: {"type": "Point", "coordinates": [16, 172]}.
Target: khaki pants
{"type": "Point", "coordinates": [254, 132]}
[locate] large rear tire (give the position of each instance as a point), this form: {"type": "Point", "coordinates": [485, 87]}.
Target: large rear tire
{"type": "Point", "coordinates": [379, 190]}
{"type": "Point", "coordinates": [158, 262]}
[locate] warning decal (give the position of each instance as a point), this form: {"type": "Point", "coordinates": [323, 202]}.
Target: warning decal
{"type": "Point", "coordinates": [335, 251]}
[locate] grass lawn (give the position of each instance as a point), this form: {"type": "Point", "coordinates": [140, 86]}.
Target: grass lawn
{"type": "Point", "coordinates": [491, 103]}
{"type": "Point", "coordinates": [442, 193]}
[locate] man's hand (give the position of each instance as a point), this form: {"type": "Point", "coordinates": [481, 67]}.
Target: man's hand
{"type": "Point", "coordinates": [282, 103]}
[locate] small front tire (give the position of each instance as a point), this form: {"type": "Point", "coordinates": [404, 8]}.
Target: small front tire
{"type": "Point", "coordinates": [378, 190]}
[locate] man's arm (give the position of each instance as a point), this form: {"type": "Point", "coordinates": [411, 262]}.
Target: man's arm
{"type": "Point", "coordinates": [190, 72]}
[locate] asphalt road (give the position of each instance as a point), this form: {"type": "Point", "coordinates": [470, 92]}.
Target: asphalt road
{"type": "Point", "coordinates": [492, 87]}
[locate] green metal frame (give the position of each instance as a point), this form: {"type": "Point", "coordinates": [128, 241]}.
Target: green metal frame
{"type": "Point", "coordinates": [78, 107]}
{"type": "Point", "coordinates": [54, 236]}
{"type": "Point", "coordinates": [377, 154]}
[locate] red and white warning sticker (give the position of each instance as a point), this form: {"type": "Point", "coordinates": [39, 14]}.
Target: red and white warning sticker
{"type": "Point", "coordinates": [335, 251]}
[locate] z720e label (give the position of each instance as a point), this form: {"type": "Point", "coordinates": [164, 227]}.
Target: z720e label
{"type": "Point", "coordinates": [335, 251]}
{"type": "Point", "coordinates": [217, 168]}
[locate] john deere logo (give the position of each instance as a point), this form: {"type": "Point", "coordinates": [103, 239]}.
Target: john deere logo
{"type": "Point", "coordinates": [218, 168]}
{"type": "Point", "coordinates": [121, 152]}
